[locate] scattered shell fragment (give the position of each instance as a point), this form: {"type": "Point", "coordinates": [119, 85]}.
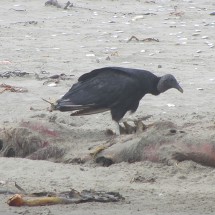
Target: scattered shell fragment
{"type": "Point", "coordinates": [198, 51]}
{"type": "Point", "coordinates": [115, 36]}
{"type": "Point", "coordinates": [143, 51]}
{"type": "Point", "coordinates": [90, 55]}
{"type": "Point", "coordinates": [204, 37]}
{"type": "Point", "coordinates": [119, 31]}
{"type": "Point", "coordinates": [53, 84]}
{"type": "Point", "coordinates": [4, 62]}
{"type": "Point", "coordinates": [183, 38]}
{"type": "Point", "coordinates": [195, 34]}
{"type": "Point", "coordinates": [2, 182]}
{"type": "Point", "coordinates": [137, 17]}
{"type": "Point", "coordinates": [170, 105]}
{"type": "Point", "coordinates": [126, 62]}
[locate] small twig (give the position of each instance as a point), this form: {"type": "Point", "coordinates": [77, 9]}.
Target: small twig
{"type": "Point", "coordinates": [142, 40]}
{"type": "Point", "coordinates": [176, 13]}
{"type": "Point", "coordinates": [56, 4]}
{"type": "Point", "coordinates": [68, 4]}
{"type": "Point", "coordinates": [19, 188]}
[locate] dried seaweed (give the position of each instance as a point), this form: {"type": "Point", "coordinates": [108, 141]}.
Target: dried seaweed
{"type": "Point", "coordinates": [12, 89]}
{"type": "Point", "coordinates": [26, 23]}
{"type": "Point", "coordinates": [68, 197]}
{"type": "Point", "coordinates": [15, 73]}
{"type": "Point", "coordinates": [53, 78]}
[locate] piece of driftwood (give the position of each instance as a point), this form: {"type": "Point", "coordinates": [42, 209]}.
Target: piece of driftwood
{"type": "Point", "coordinates": [69, 197]}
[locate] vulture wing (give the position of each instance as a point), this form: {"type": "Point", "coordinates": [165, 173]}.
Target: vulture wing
{"type": "Point", "coordinates": [100, 90]}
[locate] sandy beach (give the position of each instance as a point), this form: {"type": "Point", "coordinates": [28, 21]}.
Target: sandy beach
{"type": "Point", "coordinates": [39, 41]}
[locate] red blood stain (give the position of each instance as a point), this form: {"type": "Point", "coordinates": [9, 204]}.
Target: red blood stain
{"type": "Point", "coordinates": [40, 129]}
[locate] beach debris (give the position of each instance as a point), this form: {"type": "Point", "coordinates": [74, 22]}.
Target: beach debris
{"type": "Point", "coordinates": [26, 23]}
{"type": "Point", "coordinates": [212, 14]}
{"type": "Point", "coordinates": [142, 179]}
{"type": "Point", "coordinates": [137, 17]}
{"type": "Point", "coordinates": [52, 103]}
{"type": "Point", "coordinates": [150, 2]}
{"type": "Point", "coordinates": [176, 12]}
{"type": "Point", "coordinates": [170, 105]}
{"type": "Point", "coordinates": [67, 197]}
{"type": "Point", "coordinates": [5, 62]}
{"type": "Point", "coordinates": [50, 83]}
{"type": "Point", "coordinates": [56, 4]}
{"type": "Point", "coordinates": [149, 39]}
{"type": "Point", "coordinates": [195, 34]}
{"type": "Point", "coordinates": [12, 89]}
{"type": "Point", "coordinates": [199, 88]}
{"type": "Point", "coordinates": [15, 73]}
{"type": "Point", "coordinates": [107, 58]}
{"type": "Point", "coordinates": [18, 8]}
{"type": "Point", "coordinates": [90, 55]}
{"type": "Point", "coordinates": [116, 53]}
{"type": "Point", "coordinates": [57, 78]}
{"type": "Point", "coordinates": [53, 84]}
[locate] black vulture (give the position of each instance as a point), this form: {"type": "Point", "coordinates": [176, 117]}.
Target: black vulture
{"type": "Point", "coordinates": [113, 88]}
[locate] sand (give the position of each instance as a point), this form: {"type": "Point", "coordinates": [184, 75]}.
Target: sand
{"type": "Point", "coordinates": [94, 34]}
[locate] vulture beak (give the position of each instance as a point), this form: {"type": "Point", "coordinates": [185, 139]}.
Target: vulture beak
{"type": "Point", "coordinates": [178, 87]}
